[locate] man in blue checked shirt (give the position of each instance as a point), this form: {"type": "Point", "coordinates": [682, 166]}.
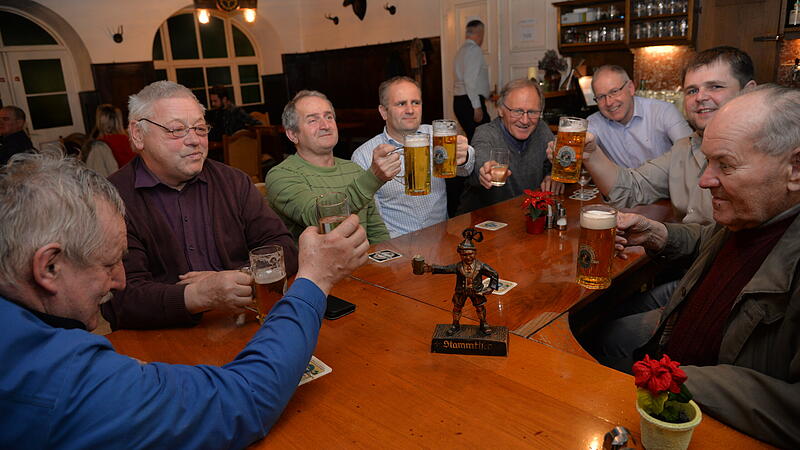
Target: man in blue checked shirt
{"type": "Point", "coordinates": [401, 108]}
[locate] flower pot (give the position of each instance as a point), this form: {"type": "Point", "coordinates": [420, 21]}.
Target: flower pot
{"type": "Point", "coordinates": [535, 226]}
{"type": "Point", "coordinates": [657, 434]}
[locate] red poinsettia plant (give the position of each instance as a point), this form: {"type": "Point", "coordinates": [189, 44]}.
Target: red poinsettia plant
{"type": "Point", "coordinates": [661, 391]}
{"type": "Point", "coordinates": [535, 202]}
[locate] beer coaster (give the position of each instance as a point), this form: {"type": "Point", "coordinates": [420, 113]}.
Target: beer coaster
{"type": "Point", "coordinates": [490, 225]}
{"type": "Point", "coordinates": [314, 370]}
{"type": "Point", "coordinates": [382, 256]}
{"type": "Point", "coordinates": [588, 194]}
{"type": "Point", "coordinates": [504, 286]}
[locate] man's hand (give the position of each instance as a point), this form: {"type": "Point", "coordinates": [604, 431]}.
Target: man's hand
{"type": "Point", "coordinates": [327, 258]}
{"type": "Point", "coordinates": [462, 150]}
{"type": "Point", "coordinates": [477, 115]}
{"type": "Point", "coordinates": [385, 164]}
{"type": "Point", "coordinates": [229, 289]}
{"type": "Point", "coordinates": [555, 187]}
{"type": "Point", "coordinates": [589, 147]}
{"type": "Point", "coordinates": [635, 229]}
{"type": "Point", "coordinates": [485, 174]}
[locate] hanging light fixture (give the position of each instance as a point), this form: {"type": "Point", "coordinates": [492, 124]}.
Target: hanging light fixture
{"type": "Point", "coordinates": [248, 7]}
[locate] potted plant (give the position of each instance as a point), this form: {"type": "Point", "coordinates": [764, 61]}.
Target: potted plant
{"type": "Point", "coordinates": [535, 205]}
{"type": "Point", "coordinates": [668, 413]}
{"type": "Point", "coordinates": [553, 66]}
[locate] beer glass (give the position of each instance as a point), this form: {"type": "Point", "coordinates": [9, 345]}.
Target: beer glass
{"type": "Point", "coordinates": [499, 169]}
{"type": "Point", "coordinates": [568, 153]}
{"type": "Point", "coordinates": [596, 246]}
{"type": "Point", "coordinates": [417, 164]}
{"type": "Point", "coordinates": [332, 209]}
{"type": "Point", "coordinates": [269, 276]}
{"type": "Point", "coordinates": [444, 148]}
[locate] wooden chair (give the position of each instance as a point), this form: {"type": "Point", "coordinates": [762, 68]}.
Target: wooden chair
{"type": "Point", "coordinates": [242, 151]}
{"type": "Point", "coordinates": [272, 142]}
{"type": "Point", "coordinates": [261, 117]}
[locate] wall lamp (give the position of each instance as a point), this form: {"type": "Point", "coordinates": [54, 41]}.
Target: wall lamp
{"type": "Point", "coordinates": [391, 8]}
{"type": "Point", "coordinates": [203, 7]}
{"type": "Point", "coordinates": [334, 19]}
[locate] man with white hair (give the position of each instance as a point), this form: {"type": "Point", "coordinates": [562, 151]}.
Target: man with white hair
{"type": "Point", "coordinates": [191, 221]}
{"type": "Point", "coordinates": [733, 321]}
{"type": "Point", "coordinates": [62, 242]}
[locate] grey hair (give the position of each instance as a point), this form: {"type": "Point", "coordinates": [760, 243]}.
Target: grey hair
{"type": "Point", "coordinates": [140, 105]}
{"type": "Point", "coordinates": [383, 89]}
{"type": "Point", "coordinates": [520, 83]}
{"type": "Point", "coordinates": [613, 68]}
{"type": "Point", "coordinates": [289, 117]}
{"type": "Point", "coordinates": [778, 133]}
{"type": "Point", "coordinates": [45, 198]}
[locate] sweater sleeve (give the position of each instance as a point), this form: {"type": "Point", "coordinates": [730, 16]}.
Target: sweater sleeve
{"type": "Point", "coordinates": [113, 398]}
{"type": "Point", "coordinates": [642, 186]}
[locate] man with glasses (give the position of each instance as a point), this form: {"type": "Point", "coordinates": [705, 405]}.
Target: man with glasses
{"type": "Point", "coordinates": [518, 129]}
{"type": "Point", "coordinates": [629, 129]}
{"type": "Point", "coordinates": [191, 221]}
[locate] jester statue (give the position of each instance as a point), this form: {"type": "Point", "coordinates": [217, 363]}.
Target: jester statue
{"type": "Point", "coordinates": [469, 279]}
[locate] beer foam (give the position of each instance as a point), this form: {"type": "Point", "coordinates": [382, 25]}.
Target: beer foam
{"type": "Point", "coordinates": [418, 140]}
{"type": "Point", "coordinates": [573, 127]}
{"type": "Point", "coordinates": [598, 220]}
{"type": "Point", "coordinates": [268, 276]}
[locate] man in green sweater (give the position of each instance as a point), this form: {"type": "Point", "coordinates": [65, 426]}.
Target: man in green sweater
{"type": "Point", "coordinates": [294, 184]}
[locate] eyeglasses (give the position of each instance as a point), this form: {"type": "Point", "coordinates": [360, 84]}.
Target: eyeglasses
{"type": "Point", "coordinates": [517, 113]}
{"type": "Point", "coordinates": [614, 93]}
{"type": "Point", "coordinates": [177, 133]}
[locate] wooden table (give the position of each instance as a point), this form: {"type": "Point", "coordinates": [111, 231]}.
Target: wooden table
{"type": "Point", "coordinates": [388, 390]}
{"type": "Point", "coordinates": [544, 266]}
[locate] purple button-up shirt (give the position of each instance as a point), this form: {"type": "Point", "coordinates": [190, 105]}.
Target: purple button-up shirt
{"type": "Point", "coordinates": [187, 213]}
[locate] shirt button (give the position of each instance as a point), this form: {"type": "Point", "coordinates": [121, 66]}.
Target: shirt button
{"type": "Point", "coordinates": [191, 248]}
{"type": "Point", "coordinates": [185, 218]}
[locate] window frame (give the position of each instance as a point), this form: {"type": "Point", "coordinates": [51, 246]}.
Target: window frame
{"type": "Point", "coordinates": [231, 61]}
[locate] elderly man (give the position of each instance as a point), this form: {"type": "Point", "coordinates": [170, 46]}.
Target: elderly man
{"type": "Point", "coordinates": [62, 241]}
{"type": "Point", "coordinates": [518, 129]}
{"type": "Point", "coordinates": [191, 221]}
{"type": "Point", "coordinates": [733, 320]}
{"type": "Point", "coordinates": [629, 129]}
{"type": "Point", "coordinates": [294, 185]}
{"type": "Point", "coordinates": [710, 79]}
{"type": "Point", "coordinates": [13, 138]}
{"type": "Point", "coordinates": [401, 108]}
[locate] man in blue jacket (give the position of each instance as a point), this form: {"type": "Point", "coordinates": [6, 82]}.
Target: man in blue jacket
{"type": "Point", "coordinates": [62, 239]}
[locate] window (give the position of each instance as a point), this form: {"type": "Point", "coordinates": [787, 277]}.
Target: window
{"type": "Point", "coordinates": [200, 56]}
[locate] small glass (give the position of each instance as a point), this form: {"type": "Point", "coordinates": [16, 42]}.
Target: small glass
{"type": "Point", "coordinates": [332, 209]}
{"type": "Point", "coordinates": [499, 168]}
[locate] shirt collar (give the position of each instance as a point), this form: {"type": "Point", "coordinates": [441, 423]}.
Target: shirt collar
{"type": "Point", "coordinates": [144, 178]}
{"type": "Point", "coordinates": [53, 321]}
{"type": "Point", "coordinates": [391, 141]}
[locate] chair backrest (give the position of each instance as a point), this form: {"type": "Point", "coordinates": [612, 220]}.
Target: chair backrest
{"type": "Point", "coordinates": [272, 141]}
{"type": "Point", "coordinates": [243, 152]}
{"type": "Point", "coordinates": [261, 116]}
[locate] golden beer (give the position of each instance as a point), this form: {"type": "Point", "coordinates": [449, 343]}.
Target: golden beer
{"type": "Point", "coordinates": [596, 246]}
{"type": "Point", "coordinates": [417, 164]}
{"type": "Point", "coordinates": [444, 148]}
{"type": "Point", "coordinates": [270, 285]}
{"type": "Point", "coordinates": [568, 152]}
{"type": "Point", "coordinates": [332, 209]}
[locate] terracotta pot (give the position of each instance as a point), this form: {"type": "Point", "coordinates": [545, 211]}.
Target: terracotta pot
{"type": "Point", "coordinates": [535, 226]}
{"type": "Point", "coordinates": [657, 434]}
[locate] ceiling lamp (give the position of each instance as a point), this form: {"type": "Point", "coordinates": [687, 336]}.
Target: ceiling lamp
{"type": "Point", "coordinates": [227, 6]}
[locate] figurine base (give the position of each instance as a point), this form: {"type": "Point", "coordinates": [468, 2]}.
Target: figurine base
{"type": "Point", "coordinates": [469, 340]}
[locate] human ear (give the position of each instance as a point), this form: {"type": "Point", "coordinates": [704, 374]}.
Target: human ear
{"type": "Point", "coordinates": [137, 136]}
{"type": "Point", "coordinates": [382, 111]}
{"type": "Point", "coordinates": [794, 170]}
{"type": "Point", "coordinates": [46, 266]}
{"type": "Point", "coordinates": [292, 136]}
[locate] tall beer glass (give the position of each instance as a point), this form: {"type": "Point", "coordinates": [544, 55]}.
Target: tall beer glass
{"type": "Point", "coordinates": [332, 209]}
{"type": "Point", "coordinates": [568, 154]}
{"type": "Point", "coordinates": [444, 148]}
{"type": "Point", "coordinates": [269, 277]}
{"type": "Point", "coordinates": [417, 163]}
{"type": "Point", "coordinates": [596, 246]}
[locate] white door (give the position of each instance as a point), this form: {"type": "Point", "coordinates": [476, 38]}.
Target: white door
{"type": "Point", "coordinates": [43, 84]}
{"type": "Point", "coordinates": [529, 28]}
{"type": "Point", "coordinates": [455, 16]}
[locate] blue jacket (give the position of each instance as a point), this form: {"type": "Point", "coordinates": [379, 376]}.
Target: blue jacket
{"type": "Point", "coordinates": [63, 388]}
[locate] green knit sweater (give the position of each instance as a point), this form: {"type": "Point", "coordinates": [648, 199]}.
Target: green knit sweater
{"type": "Point", "coordinates": [294, 184]}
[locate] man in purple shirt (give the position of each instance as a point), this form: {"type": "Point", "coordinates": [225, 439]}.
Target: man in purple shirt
{"type": "Point", "coordinates": [191, 221]}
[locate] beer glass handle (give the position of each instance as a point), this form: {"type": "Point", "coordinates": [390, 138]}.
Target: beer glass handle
{"type": "Point", "coordinates": [401, 176]}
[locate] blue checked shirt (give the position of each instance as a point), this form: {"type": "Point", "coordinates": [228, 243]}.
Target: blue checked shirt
{"type": "Point", "coordinates": [405, 213]}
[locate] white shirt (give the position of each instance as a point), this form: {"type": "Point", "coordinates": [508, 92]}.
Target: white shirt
{"type": "Point", "coordinates": [471, 73]}
{"type": "Point", "coordinates": [406, 213]}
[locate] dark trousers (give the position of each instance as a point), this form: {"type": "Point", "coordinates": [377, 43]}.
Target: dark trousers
{"type": "Point", "coordinates": [464, 113]}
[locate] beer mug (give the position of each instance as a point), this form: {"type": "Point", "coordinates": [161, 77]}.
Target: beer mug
{"type": "Point", "coordinates": [499, 170]}
{"type": "Point", "coordinates": [596, 246]}
{"type": "Point", "coordinates": [332, 209]}
{"type": "Point", "coordinates": [444, 148]}
{"type": "Point", "coordinates": [417, 154]}
{"type": "Point", "coordinates": [568, 153]}
{"type": "Point", "coordinates": [269, 276]}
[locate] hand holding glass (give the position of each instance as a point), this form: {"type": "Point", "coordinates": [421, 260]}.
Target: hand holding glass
{"type": "Point", "coordinates": [499, 167]}
{"type": "Point", "coordinates": [269, 277]}
{"type": "Point", "coordinates": [332, 209]}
